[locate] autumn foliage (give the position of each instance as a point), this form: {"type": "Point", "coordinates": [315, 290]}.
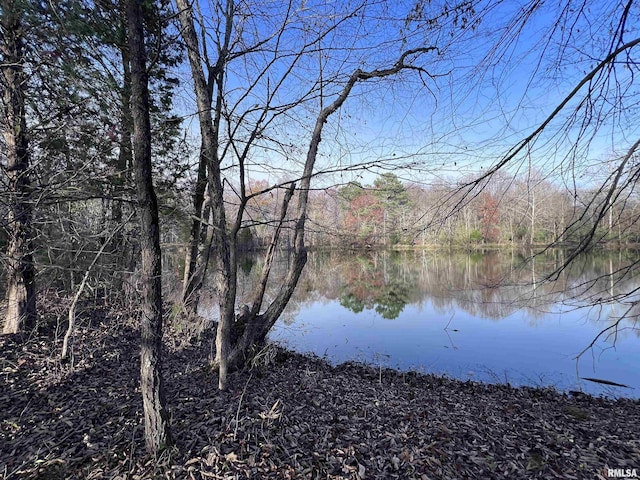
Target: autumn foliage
{"type": "Point", "coordinates": [489, 216]}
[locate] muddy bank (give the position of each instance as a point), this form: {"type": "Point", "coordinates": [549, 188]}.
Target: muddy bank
{"type": "Point", "coordinates": [290, 416]}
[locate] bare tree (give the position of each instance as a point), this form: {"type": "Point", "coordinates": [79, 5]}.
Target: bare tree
{"type": "Point", "coordinates": [156, 419]}
{"type": "Point", "coordinates": [596, 105]}
{"type": "Point", "coordinates": [234, 129]}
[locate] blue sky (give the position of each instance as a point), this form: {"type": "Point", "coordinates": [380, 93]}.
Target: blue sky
{"type": "Point", "coordinates": [495, 83]}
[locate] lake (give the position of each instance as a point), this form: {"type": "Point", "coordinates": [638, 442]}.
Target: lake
{"type": "Point", "coordinates": [486, 316]}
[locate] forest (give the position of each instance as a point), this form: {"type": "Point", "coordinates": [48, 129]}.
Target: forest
{"type": "Point", "coordinates": [508, 212]}
{"type": "Point", "coordinates": [147, 145]}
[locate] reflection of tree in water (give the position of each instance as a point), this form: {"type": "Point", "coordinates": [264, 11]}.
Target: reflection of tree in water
{"type": "Point", "coordinates": [389, 303]}
{"type": "Point", "coordinates": [392, 301]}
{"type": "Point", "coordinates": [376, 282]}
{"type": "Point", "coordinates": [490, 285]}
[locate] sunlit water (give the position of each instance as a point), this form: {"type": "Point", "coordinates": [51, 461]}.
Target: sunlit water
{"type": "Point", "coordinates": [515, 350]}
{"type": "Point", "coordinates": [483, 316]}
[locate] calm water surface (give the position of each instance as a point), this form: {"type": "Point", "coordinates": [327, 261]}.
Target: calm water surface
{"type": "Point", "coordinates": [482, 316]}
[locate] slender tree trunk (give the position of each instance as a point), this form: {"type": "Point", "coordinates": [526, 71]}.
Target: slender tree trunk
{"type": "Point", "coordinates": [156, 422]}
{"type": "Point", "coordinates": [209, 179]}
{"type": "Point", "coordinates": [191, 279]}
{"type": "Point", "coordinates": [21, 292]}
{"type": "Point", "coordinates": [563, 226]}
{"type": "Point", "coordinates": [120, 247]}
{"type": "Point", "coordinates": [610, 231]}
{"type": "Point", "coordinates": [533, 217]}
{"type": "Point", "coordinates": [224, 244]}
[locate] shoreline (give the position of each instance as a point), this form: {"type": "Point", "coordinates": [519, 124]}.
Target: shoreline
{"type": "Point", "coordinates": [291, 416]}
{"type": "Point", "coordinates": [608, 390]}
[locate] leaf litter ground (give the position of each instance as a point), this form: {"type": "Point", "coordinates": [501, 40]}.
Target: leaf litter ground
{"type": "Point", "coordinates": [290, 416]}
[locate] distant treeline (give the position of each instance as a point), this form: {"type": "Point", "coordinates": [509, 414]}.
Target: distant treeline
{"type": "Point", "coordinates": [506, 211]}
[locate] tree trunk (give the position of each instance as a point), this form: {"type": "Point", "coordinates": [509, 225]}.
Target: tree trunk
{"type": "Point", "coordinates": [21, 292]}
{"type": "Point", "coordinates": [533, 216]}
{"type": "Point", "coordinates": [224, 244]}
{"type": "Point", "coordinates": [256, 326]}
{"type": "Point", "coordinates": [190, 284]}
{"type": "Point", "coordinates": [120, 247]}
{"type": "Point", "coordinates": [156, 423]}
